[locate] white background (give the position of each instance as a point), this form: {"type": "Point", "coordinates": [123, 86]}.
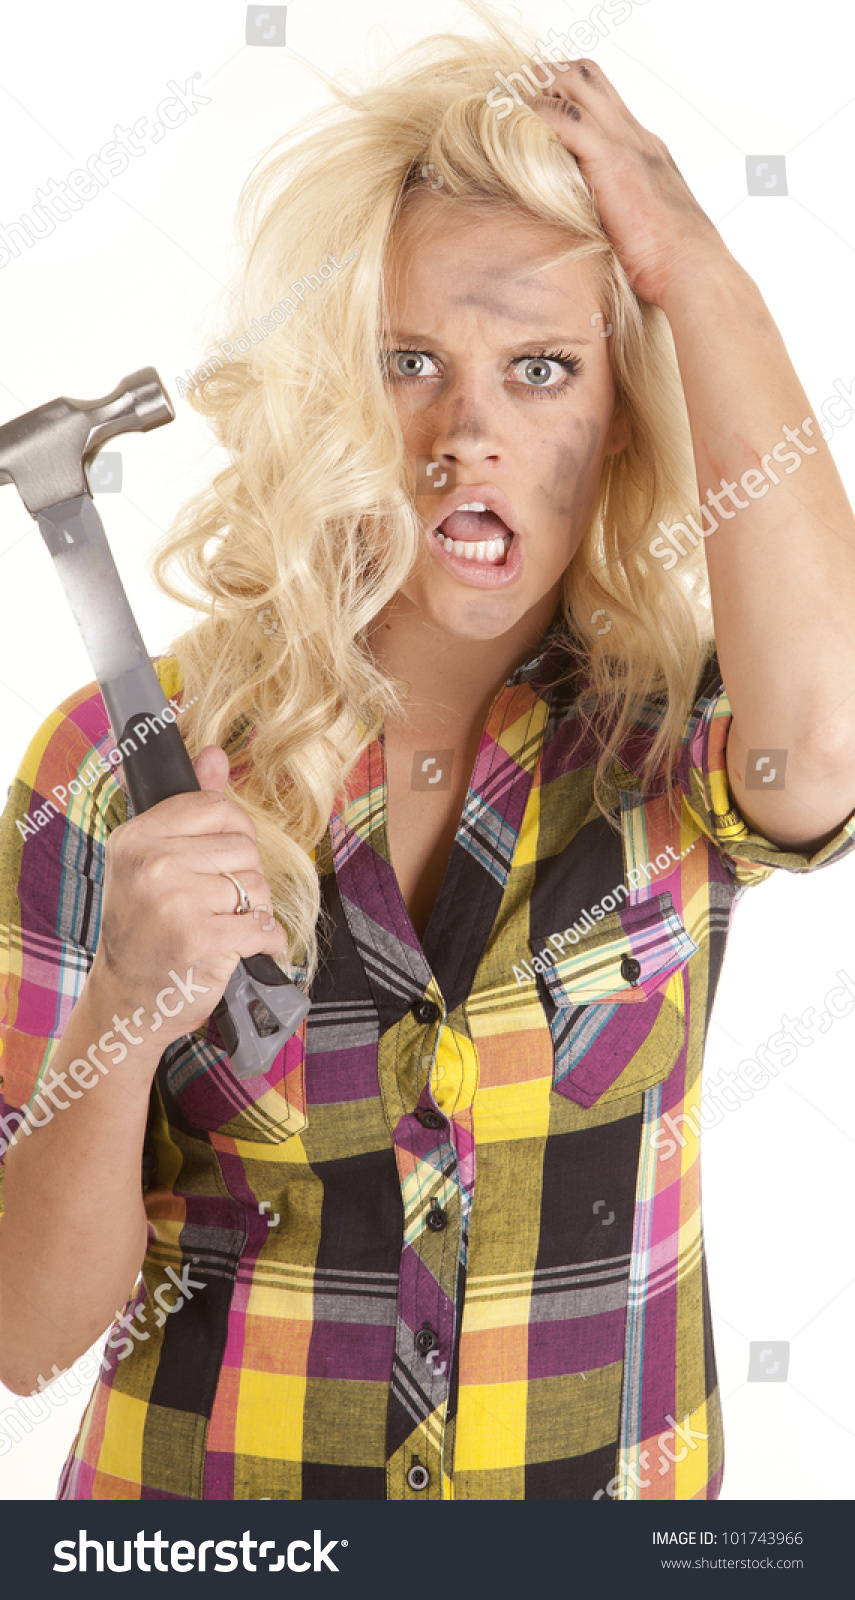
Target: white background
{"type": "Point", "coordinates": [134, 278]}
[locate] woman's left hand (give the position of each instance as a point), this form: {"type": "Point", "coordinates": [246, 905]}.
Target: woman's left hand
{"type": "Point", "coordinates": [655, 224]}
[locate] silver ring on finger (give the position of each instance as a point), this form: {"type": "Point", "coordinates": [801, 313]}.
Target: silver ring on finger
{"type": "Point", "coordinates": [244, 903]}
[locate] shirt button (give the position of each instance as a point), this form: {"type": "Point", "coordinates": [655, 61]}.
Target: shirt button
{"type": "Point", "coordinates": [425, 1011]}
{"type": "Point", "coordinates": [431, 1119]}
{"type": "Point", "coordinates": [630, 969]}
{"type": "Point", "coordinates": [437, 1219]}
{"type": "Point", "coordinates": [425, 1341]}
{"type": "Point", "coordinates": [418, 1476]}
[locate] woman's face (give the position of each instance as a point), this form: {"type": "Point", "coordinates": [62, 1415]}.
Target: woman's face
{"type": "Point", "coordinates": [488, 411]}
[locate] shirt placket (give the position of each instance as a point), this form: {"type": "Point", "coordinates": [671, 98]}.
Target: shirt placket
{"type": "Point", "coordinates": [423, 1075]}
{"type": "Point", "coordinates": [427, 1071]}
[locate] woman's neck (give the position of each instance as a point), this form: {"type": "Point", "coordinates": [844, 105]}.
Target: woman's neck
{"type": "Point", "coordinates": [452, 681]}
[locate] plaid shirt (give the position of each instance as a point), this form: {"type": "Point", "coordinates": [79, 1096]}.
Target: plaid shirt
{"type": "Point", "coordinates": [448, 1247]}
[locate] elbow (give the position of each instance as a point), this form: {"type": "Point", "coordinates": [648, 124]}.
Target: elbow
{"type": "Point", "coordinates": [15, 1369]}
{"type": "Point", "coordinates": [827, 752]}
{"type": "Point", "coordinates": [17, 1383]}
{"type": "Point", "coordinates": [17, 1372]}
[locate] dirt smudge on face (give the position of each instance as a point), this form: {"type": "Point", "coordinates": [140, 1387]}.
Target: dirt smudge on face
{"type": "Point", "coordinates": [570, 488]}
{"type": "Point", "coordinates": [465, 422]}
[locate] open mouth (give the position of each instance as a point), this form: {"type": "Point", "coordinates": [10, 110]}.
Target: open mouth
{"type": "Point", "coordinates": [476, 534]}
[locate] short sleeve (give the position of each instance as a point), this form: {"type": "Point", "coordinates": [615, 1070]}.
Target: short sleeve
{"type": "Point", "coordinates": [66, 798]}
{"type": "Point", "coordinates": [702, 778]}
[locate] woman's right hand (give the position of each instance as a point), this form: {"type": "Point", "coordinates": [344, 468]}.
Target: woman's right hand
{"type": "Point", "coordinates": [166, 910]}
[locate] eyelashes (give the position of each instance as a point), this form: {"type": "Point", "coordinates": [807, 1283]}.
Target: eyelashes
{"type": "Point", "coordinates": [572, 365]}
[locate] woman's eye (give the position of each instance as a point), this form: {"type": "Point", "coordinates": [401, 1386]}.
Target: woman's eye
{"type": "Point", "coordinates": [537, 372]}
{"type": "Point", "coordinates": [407, 363]}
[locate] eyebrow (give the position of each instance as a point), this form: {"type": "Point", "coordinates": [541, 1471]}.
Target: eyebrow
{"type": "Point", "coordinates": [532, 338]}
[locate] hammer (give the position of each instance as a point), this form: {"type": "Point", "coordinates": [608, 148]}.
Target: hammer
{"type": "Point", "coordinates": [44, 453]}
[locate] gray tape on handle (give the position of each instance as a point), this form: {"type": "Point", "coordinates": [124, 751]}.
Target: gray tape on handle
{"type": "Point", "coordinates": [255, 1019]}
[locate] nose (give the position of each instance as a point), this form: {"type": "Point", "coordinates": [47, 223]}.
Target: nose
{"type": "Point", "coordinates": [465, 425]}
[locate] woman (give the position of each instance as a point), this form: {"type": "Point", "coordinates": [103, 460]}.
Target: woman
{"type": "Point", "coordinates": [459, 721]}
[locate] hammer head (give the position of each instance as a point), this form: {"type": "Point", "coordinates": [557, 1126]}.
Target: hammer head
{"type": "Point", "coordinates": [43, 452]}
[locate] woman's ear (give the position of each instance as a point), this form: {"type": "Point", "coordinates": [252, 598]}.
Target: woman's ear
{"type": "Point", "coordinates": [618, 435]}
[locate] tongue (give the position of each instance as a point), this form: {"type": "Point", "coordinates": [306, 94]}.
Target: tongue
{"type": "Point", "coordinates": [471, 526]}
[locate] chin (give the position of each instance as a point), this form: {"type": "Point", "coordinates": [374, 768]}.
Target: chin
{"type": "Point", "coordinates": [472, 615]}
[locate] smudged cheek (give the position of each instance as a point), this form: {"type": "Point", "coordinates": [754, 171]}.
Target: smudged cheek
{"type": "Point", "coordinates": [566, 484]}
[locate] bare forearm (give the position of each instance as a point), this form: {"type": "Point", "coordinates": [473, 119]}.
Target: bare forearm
{"type": "Point", "coordinates": [782, 558]}
{"type": "Point", "coordinates": [73, 1235]}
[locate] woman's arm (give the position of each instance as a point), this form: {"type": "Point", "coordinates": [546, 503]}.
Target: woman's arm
{"type": "Point", "coordinates": [73, 1235]}
{"type": "Point", "coordinates": [778, 530]}
{"type": "Point", "coordinates": [74, 1231]}
{"type": "Point", "coordinates": [781, 559]}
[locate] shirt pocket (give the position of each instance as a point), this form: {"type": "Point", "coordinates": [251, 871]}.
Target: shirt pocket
{"type": "Point", "coordinates": [615, 1002]}
{"type": "Point", "coordinates": [202, 1094]}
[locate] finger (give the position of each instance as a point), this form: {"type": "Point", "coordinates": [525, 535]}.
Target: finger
{"type": "Point", "coordinates": [214, 852]}
{"type": "Point", "coordinates": [585, 83]}
{"type": "Point", "coordinates": [212, 767]}
{"type": "Point", "coordinates": [193, 813]}
{"type": "Point", "coordinates": [573, 123]}
{"type": "Point", "coordinates": [247, 936]}
{"type": "Point", "coordinates": [255, 885]}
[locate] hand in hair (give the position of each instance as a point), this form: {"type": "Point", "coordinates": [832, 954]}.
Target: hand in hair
{"type": "Point", "coordinates": [656, 226]}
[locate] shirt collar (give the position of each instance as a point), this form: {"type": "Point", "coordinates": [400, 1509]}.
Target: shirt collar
{"type": "Point", "coordinates": [557, 631]}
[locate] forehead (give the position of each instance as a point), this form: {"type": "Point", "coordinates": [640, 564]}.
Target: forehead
{"type": "Point", "coordinates": [497, 260]}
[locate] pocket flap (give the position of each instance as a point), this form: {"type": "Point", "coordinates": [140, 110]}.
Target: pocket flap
{"type": "Point", "coordinates": [624, 958]}
{"type": "Point", "coordinates": [200, 1089]}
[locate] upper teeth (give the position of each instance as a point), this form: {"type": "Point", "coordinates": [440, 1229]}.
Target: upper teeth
{"type": "Point", "coordinates": [474, 505]}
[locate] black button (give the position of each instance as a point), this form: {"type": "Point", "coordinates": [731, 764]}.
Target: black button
{"type": "Point", "coordinates": [431, 1119]}
{"type": "Point", "coordinates": [418, 1476]}
{"type": "Point", "coordinates": [630, 969]}
{"type": "Point", "coordinates": [437, 1219]}
{"type": "Point", "coordinates": [425, 1011]}
{"type": "Point", "coordinates": [426, 1341]}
